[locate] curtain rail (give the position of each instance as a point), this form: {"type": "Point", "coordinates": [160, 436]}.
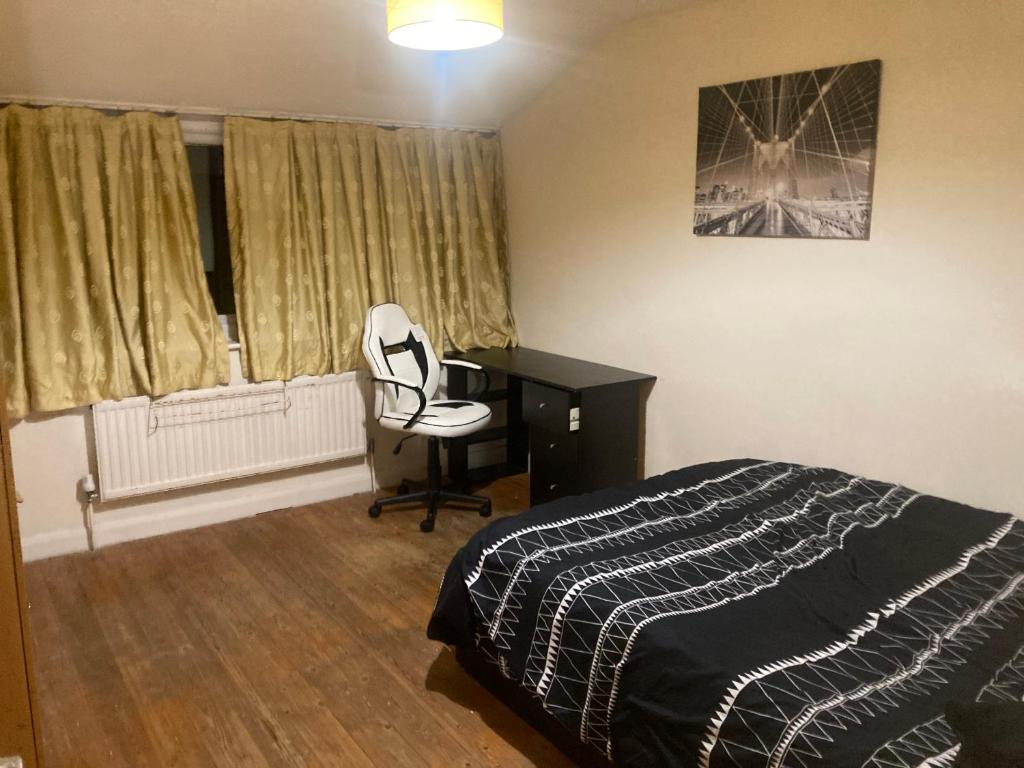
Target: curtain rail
{"type": "Point", "coordinates": [214, 114]}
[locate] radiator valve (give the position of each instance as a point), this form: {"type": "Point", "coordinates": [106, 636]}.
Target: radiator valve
{"type": "Point", "coordinates": [88, 486]}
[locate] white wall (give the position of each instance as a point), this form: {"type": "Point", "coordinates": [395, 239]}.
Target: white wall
{"type": "Point", "coordinates": [901, 358]}
{"type": "Point", "coordinates": [52, 453]}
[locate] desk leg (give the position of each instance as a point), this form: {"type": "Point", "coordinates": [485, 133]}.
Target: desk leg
{"type": "Point", "coordinates": [458, 447]}
{"type": "Point", "coordinates": [517, 444]}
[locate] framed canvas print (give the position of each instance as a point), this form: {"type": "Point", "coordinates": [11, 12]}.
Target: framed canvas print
{"type": "Point", "coordinates": [789, 155]}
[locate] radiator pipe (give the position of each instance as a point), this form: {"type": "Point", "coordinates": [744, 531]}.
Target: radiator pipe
{"type": "Point", "coordinates": [88, 484]}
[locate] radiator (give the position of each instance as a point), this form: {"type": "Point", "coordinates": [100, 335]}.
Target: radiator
{"type": "Point", "coordinates": [205, 436]}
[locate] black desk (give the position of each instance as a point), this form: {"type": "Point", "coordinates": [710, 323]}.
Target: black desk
{"type": "Point", "coordinates": [578, 422]}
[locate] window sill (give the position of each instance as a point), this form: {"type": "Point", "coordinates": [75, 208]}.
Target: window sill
{"type": "Point", "coordinates": [229, 325]}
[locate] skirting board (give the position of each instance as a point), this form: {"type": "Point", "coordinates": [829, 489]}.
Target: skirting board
{"type": "Point", "coordinates": [54, 543]}
{"type": "Point", "coordinates": [121, 526]}
{"type": "Point", "coordinates": [483, 454]}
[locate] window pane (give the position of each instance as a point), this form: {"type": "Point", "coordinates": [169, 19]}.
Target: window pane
{"type": "Point", "coordinates": [199, 164]}
{"type": "Point", "coordinates": [207, 166]}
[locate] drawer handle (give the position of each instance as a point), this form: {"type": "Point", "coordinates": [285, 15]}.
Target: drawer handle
{"type": "Point", "coordinates": [542, 405]}
{"type": "Point", "coordinates": [551, 446]}
{"type": "Point", "coordinates": [552, 486]}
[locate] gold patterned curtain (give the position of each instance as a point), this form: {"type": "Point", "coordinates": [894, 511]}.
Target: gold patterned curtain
{"type": "Point", "coordinates": [327, 219]}
{"type": "Point", "coordinates": [103, 293]}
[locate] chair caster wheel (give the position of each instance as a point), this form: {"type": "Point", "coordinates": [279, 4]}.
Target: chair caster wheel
{"type": "Point", "coordinates": [374, 510]}
{"type": "Point", "coordinates": [427, 525]}
{"type": "Point", "coordinates": [485, 510]}
{"type": "Point", "coordinates": [403, 489]}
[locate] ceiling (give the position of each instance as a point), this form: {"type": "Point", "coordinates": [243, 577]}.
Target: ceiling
{"type": "Point", "coordinates": [311, 57]}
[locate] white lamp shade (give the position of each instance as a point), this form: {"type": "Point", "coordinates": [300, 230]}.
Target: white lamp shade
{"type": "Point", "coordinates": [445, 25]}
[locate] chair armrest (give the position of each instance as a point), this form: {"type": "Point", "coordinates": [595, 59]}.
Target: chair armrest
{"type": "Point", "coordinates": [472, 367]}
{"type": "Point", "coordinates": [407, 385]}
{"type": "Point", "coordinates": [462, 364]}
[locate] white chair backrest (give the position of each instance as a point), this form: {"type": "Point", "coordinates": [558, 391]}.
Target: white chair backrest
{"type": "Point", "coordinates": [394, 346]}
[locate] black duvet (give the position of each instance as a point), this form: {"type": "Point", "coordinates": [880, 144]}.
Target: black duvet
{"type": "Point", "coordinates": [749, 613]}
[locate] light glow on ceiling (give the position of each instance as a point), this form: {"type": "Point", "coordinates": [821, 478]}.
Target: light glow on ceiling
{"type": "Point", "coordinates": [445, 25]}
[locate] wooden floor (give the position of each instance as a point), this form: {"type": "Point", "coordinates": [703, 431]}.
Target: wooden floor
{"type": "Point", "coordinates": [295, 638]}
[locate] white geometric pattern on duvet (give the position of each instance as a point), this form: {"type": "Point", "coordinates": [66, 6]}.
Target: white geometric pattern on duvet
{"type": "Point", "coordinates": [817, 520]}
{"type": "Point", "coordinates": [622, 595]}
{"type": "Point", "coordinates": [907, 653]}
{"type": "Point", "coordinates": [932, 743]}
{"type": "Point", "coordinates": [935, 743]}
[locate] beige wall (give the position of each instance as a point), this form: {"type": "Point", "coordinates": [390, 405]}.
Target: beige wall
{"type": "Point", "coordinates": [53, 452]}
{"type": "Point", "coordinates": [326, 57]}
{"type": "Point", "coordinates": [901, 358]}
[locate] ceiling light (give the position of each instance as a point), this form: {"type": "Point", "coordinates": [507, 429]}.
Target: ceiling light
{"type": "Point", "coordinates": [444, 25]}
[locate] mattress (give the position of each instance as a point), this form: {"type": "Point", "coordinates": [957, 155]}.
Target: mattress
{"type": "Point", "coordinates": [748, 613]}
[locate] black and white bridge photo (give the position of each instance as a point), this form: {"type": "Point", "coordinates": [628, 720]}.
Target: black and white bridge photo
{"type": "Point", "coordinates": [788, 156]}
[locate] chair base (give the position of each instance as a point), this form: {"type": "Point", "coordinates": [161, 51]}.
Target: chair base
{"type": "Point", "coordinates": [434, 500]}
{"type": "Point", "coordinates": [432, 494]}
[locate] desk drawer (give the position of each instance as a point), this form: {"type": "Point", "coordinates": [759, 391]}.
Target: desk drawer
{"type": "Point", "coordinates": [554, 464]}
{"type": "Point", "coordinates": [546, 407]}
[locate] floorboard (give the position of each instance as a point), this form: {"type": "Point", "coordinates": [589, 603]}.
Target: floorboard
{"type": "Point", "coordinates": [294, 638]}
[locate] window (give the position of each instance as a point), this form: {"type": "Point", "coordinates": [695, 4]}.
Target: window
{"type": "Point", "coordinates": [207, 166]}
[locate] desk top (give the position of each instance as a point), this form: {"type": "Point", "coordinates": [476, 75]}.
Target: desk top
{"type": "Point", "coordinates": [553, 370]}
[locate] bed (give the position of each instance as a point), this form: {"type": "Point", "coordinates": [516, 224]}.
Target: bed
{"type": "Point", "coordinates": [744, 613]}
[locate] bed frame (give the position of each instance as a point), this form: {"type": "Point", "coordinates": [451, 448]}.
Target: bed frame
{"type": "Point", "coordinates": [529, 708]}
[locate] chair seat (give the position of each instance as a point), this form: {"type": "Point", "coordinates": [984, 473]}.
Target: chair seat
{"type": "Point", "coordinates": [443, 418]}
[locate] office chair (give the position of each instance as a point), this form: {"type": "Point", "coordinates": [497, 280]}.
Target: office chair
{"type": "Point", "coordinates": [405, 373]}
